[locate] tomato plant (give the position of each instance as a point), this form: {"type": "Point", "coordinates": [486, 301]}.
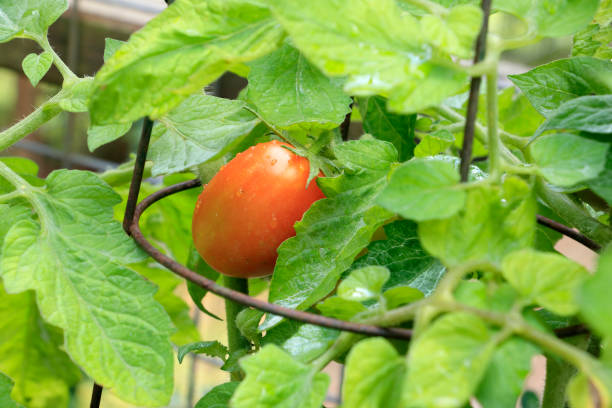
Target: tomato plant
{"type": "Point", "coordinates": [473, 191]}
{"type": "Point", "coordinates": [249, 207]}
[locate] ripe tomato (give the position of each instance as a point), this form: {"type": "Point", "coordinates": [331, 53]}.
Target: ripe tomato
{"type": "Point", "coordinates": [249, 208]}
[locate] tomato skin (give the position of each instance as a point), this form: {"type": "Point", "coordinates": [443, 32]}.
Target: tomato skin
{"type": "Point", "coordinates": [249, 208]}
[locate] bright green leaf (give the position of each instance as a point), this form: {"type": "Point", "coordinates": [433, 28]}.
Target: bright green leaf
{"type": "Point", "coordinates": [29, 18]}
{"type": "Point", "coordinates": [373, 375]}
{"type": "Point", "coordinates": [388, 126]}
{"type": "Point", "coordinates": [401, 295]}
{"type": "Point", "coordinates": [594, 295]}
{"type": "Point", "coordinates": [30, 354]}
{"type": "Point", "coordinates": [401, 253]}
{"type": "Point", "coordinates": [340, 308]}
{"type": "Point", "coordinates": [423, 189]}
{"type": "Point", "coordinates": [35, 66]}
{"type": "Point", "coordinates": [210, 348]}
{"type": "Point", "coordinates": [548, 86]}
{"type": "Point", "coordinates": [247, 322]}
{"type": "Point", "coordinates": [549, 280]}
{"type": "Point", "coordinates": [565, 159]}
{"type": "Point", "coordinates": [586, 113]}
{"type": "Point", "coordinates": [434, 143]}
{"type": "Point", "coordinates": [100, 135]}
{"type": "Point", "coordinates": [455, 32]}
{"type": "Point", "coordinates": [110, 47]}
{"type": "Point", "coordinates": [553, 18]}
{"type": "Point", "coordinates": [447, 361]}
{"type": "Point", "coordinates": [333, 230]}
{"type": "Point", "coordinates": [287, 90]}
{"type": "Point", "coordinates": [73, 258]}
{"type": "Point", "coordinates": [201, 128]}
{"type": "Point", "coordinates": [494, 222]}
{"type": "Point", "coordinates": [302, 341]}
{"type": "Point", "coordinates": [363, 284]}
{"type": "Point", "coordinates": [275, 380]}
{"type": "Point", "coordinates": [77, 96]}
{"type": "Point", "coordinates": [219, 396]}
{"type": "Point", "coordinates": [184, 48]}
{"type": "Point", "coordinates": [584, 392]}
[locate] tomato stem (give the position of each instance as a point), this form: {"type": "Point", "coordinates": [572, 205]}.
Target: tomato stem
{"type": "Point", "coordinates": [235, 340]}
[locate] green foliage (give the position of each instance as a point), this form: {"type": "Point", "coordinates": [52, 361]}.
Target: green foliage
{"type": "Point", "coordinates": [593, 297]}
{"type": "Point", "coordinates": [363, 284]}
{"type": "Point", "coordinates": [304, 342]}
{"type": "Point", "coordinates": [35, 66]}
{"type": "Point", "coordinates": [434, 143]}
{"type": "Point", "coordinates": [6, 385]}
{"type": "Point", "coordinates": [219, 396]}
{"type": "Point", "coordinates": [586, 113]}
{"type": "Point", "coordinates": [602, 185]}
{"type": "Point", "coordinates": [29, 18]}
{"type": "Point", "coordinates": [210, 348]}
{"type": "Point", "coordinates": [275, 379]}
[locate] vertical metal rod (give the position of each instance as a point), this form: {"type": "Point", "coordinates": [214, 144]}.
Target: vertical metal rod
{"type": "Point", "coordinates": [96, 396]}
{"type": "Point", "coordinates": [141, 158]}
{"type": "Point", "coordinates": [472, 108]}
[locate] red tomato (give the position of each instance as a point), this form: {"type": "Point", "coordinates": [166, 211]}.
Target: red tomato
{"type": "Point", "coordinates": [249, 208]}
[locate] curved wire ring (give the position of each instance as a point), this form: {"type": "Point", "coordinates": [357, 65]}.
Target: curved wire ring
{"type": "Point", "coordinates": [306, 317]}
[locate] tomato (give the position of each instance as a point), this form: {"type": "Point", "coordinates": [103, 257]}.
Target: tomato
{"type": "Point", "coordinates": [249, 207]}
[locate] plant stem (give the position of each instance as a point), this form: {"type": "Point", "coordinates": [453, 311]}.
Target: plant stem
{"type": "Point", "coordinates": [45, 112]}
{"type": "Point", "coordinates": [342, 343]}
{"type": "Point", "coordinates": [67, 74]}
{"type": "Point", "coordinates": [9, 196]}
{"type": "Point", "coordinates": [573, 214]}
{"type": "Point", "coordinates": [25, 189]}
{"type": "Point", "coordinates": [235, 340]}
{"type": "Point", "coordinates": [493, 136]}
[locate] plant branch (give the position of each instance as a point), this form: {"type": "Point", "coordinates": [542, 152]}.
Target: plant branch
{"type": "Point", "coordinates": [45, 112]}
{"type": "Point", "coordinates": [26, 190]}
{"type": "Point", "coordinates": [235, 340]}
{"type": "Point", "coordinates": [67, 74]}
{"type": "Point", "coordinates": [342, 344]}
{"type": "Point", "coordinates": [9, 196]}
{"type": "Point", "coordinates": [567, 231]}
{"type": "Point", "coordinates": [492, 124]}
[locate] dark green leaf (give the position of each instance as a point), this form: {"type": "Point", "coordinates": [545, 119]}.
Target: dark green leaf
{"type": "Point", "coordinates": [287, 91]}
{"type": "Point", "coordinates": [219, 396]}
{"type": "Point", "coordinates": [494, 222]}
{"type": "Point", "coordinates": [28, 18]}
{"type": "Point", "coordinates": [373, 375]}
{"type": "Point", "coordinates": [602, 185]}
{"type": "Point", "coordinates": [210, 348]}
{"type": "Point", "coordinates": [403, 255]}
{"type": "Point", "coordinates": [275, 380]}
{"type": "Point", "coordinates": [549, 280]}
{"type": "Point", "coordinates": [565, 159]}
{"type": "Point", "coordinates": [333, 230]}
{"type": "Point", "coordinates": [548, 86]}
{"type": "Point", "coordinates": [247, 322]}
{"type": "Point", "coordinates": [6, 385]}
{"type": "Point", "coordinates": [586, 113]}
{"type": "Point", "coordinates": [35, 66]}
{"type": "Point", "coordinates": [181, 50]}
{"type": "Point", "coordinates": [391, 127]}
{"type": "Point", "coordinates": [232, 363]}
{"type": "Point", "coordinates": [423, 189]}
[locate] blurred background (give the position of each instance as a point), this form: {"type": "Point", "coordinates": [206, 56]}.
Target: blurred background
{"type": "Point", "coordinates": [78, 37]}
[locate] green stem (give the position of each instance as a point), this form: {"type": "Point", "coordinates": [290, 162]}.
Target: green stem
{"type": "Point", "coordinates": [9, 196]}
{"type": "Point", "coordinates": [61, 66]}
{"type": "Point", "coordinates": [235, 340]}
{"type": "Point", "coordinates": [342, 344]}
{"type": "Point", "coordinates": [574, 214]}
{"type": "Point", "coordinates": [45, 112]}
{"type": "Point", "coordinates": [26, 190]}
{"type": "Point", "coordinates": [493, 136]}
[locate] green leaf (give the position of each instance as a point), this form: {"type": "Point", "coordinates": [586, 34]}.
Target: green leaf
{"type": "Point", "coordinates": [447, 361]}
{"type": "Point", "coordinates": [247, 322]}
{"type": "Point", "coordinates": [586, 113]}
{"type": "Point", "coordinates": [549, 280]}
{"type": "Point", "coordinates": [35, 66]}
{"type": "Point", "coordinates": [333, 230]}
{"type": "Point", "coordinates": [184, 48]}
{"type": "Point", "coordinates": [494, 222]}
{"type": "Point", "coordinates": [287, 91]}
{"type": "Point", "coordinates": [594, 40]}
{"type": "Point", "coordinates": [6, 385]}
{"type": "Point", "coordinates": [392, 58]}
{"type": "Point", "coordinates": [548, 86]}
{"type": "Point", "coordinates": [200, 129]}
{"type": "Point", "coordinates": [594, 295]}
{"type": "Point", "coordinates": [565, 159]}
{"type": "Point", "coordinates": [434, 143]}
{"type": "Point", "coordinates": [602, 185]}
{"type": "Point", "coordinates": [197, 293]}
{"type": "Point", "coordinates": [232, 363]}
{"type": "Point", "coordinates": [387, 126]}
{"type": "Point", "coordinates": [503, 381]}
{"type": "Point", "coordinates": [401, 295]}
{"type": "Point", "coordinates": [219, 396]}
{"type": "Point", "coordinates": [77, 96]}
{"type": "Point", "coordinates": [73, 258]}
{"type": "Point", "coordinates": [304, 342]}
{"type": "Point", "coordinates": [373, 375]}
{"type": "Point", "coordinates": [403, 255]}
{"type": "Point", "coordinates": [516, 113]}
{"type": "Point", "coordinates": [554, 18]}
{"type": "Point", "coordinates": [423, 189]}
{"type": "Point", "coordinates": [100, 135]}
{"type": "Point", "coordinates": [274, 379]}
{"type": "Point", "coordinates": [29, 18]}
{"type": "Point", "coordinates": [210, 348]}
{"type": "Point", "coordinates": [590, 392]}
{"type": "Point", "coordinates": [340, 308]}
{"type": "Point", "coordinates": [110, 47]}
{"type": "Point", "coordinates": [455, 32]}
{"type": "Point", "coordinates": [30, 354]}
{"type": "Point", "coordinates": [364, 283]}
